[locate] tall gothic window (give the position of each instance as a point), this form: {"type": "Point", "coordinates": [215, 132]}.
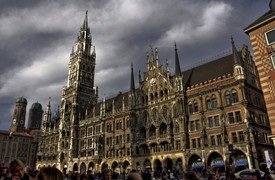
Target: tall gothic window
{"type": "Point", "coordinates": [234, 96]}
{"type": "Point", "coordinates": [214, 101]}
{"type": "Point", "coordinates": [227, 98]}
{"type": "Point", "coordinates": [196, 106]}
{"type": "Point", "coordinates": [208, 103]}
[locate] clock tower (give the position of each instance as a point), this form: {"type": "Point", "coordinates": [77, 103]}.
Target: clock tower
{"type": "Point", "coordinates": [80, 94]}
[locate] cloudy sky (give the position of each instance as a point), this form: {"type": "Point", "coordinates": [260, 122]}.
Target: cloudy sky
{"type": "Point", "coordinates": [36, 38]}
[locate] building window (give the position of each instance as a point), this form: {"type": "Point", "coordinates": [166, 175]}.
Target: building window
{"type": "Point", "coordinates": [199, 142]}
{"type": "Point", "coordinates": [210, 122]}
{"type": "Point", "coordinates": [190, 106]}
{"type": "Point", "coordinates": [227, 98]}
{"type": "Point", "coordinates": [213, 121]}
{"type": "Point", "coordinates": [217, 120]}
{"type": "Point", "coordinates": [241, 136]}
{"type": "Point", "coordinates": [234, 119]}
{"type": "Point", "coordinates": [194, 143]}
{"type": "Point", "coordinates": [90, 131]}
{"type": "Point", "coordinates": [208, 103]}
{"type": "Point", "coordinates": [196, 107]}
{"type": "Point", "coordinates": [235, 96]}
{"type": "Point", "coordinates": [238, 116]}
{"type": "Point", "coordinates": [273, 61]}
{"type": "Point", "coordinates": [214, 101]}
{"type": "Point", "coordinates": [234, 137]}
{"type": "Point", "coordinates": [213, 142]}
{"type": "Point", "coordinates": [270, 36]}
{"type": "Point", "coordinates": [197, 124]}
{"type": "Point", "coordinates": [178, 144]}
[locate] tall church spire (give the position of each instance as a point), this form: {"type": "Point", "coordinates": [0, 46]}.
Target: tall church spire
{"type": "Point", "coordinates": [177, 63]}
{"type": "Point", "coordinates": [85, 23]}
{"type": "Point", "coordinates": [132, 80]}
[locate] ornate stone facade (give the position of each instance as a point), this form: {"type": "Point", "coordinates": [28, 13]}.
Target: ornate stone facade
{"type": "Point", "coordinates": [212, 115]}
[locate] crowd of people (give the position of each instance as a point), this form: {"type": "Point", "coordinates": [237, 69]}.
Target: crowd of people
{"type": "Point", "coordinates": [16, 171]}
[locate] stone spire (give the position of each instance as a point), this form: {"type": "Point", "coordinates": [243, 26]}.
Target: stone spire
{"type": "Point", "coordinates": [132, 88]}
{"type": "Point", "coordinates": [177, 63]}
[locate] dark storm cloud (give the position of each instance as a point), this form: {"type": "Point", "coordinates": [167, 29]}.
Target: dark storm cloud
{"type": "Point", "coordinates": [36, 38]}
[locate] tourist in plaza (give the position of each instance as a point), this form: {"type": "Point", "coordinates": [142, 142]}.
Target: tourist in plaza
{"type": "Point", "coordinates": [90, 175]}
{"type": "Point", "coordinates": [17, 171]}
{"type": "Point", "coordinates": [191, 175]}
{"type": "Point", "coordinates": [134, 176]}
{"type": "Point", "coordinates": [49, 173]}
{"type": "Point", "coordinates": [106, 174]}
{"type": "Point", "coordinates": [84, 177]}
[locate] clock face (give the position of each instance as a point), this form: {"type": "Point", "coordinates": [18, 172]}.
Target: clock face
{"type": "Point", "coordinates": [13, 121]}
{"type": "Point", "coordinates": [152, 80]}
{"type": "Point", "coordinates": [21, 122]}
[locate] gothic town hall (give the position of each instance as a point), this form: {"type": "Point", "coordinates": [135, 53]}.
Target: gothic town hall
{"type": "Point", "coordinates": [212, 115]}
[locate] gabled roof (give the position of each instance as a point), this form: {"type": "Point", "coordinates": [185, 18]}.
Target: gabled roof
{"type": "Point", "coordinates": [266, 18]}
{"type": "Point", "coordinates": [214, 69]}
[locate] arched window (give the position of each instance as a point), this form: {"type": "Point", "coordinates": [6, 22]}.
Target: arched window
{"type": "Point", "coordinates": [227, 98]}
{"type": "Point", "coordinates": [196, 106]}
{"type": "Point", "coordinates": [214, 101]}
{"type": "Point", "coordinates": [208, 103]}
{"type": "Point", "coordinates": [152, 97]}
{"type": "Point", "coordinates": [166, 92]}
{"type": "Point", "coordinates": [161, 93]}
{"type": "Point", "coordinates": [234, 96]}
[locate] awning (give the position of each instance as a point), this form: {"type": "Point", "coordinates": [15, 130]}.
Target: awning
{"type": "Point", "coordinates": [241, 163]}
{"type": "Point", "coordinates": [198, 166]}
{"type": "Point", "coordinates": [218, 165]}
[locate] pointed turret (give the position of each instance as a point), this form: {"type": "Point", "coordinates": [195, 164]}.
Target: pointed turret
{"type": "Point", "coordinates": [132, 88]}
{"type": "Point", "coordinates": [147, 61]}
{"type": "Point", "coordinates": [238, 69]}
{"type": "Point", "coordinates": [152, 55]}
{"type": "Point", "coordinates": [85, 23]}
{"type": "Point", "coordinates": [177, 63]}
{"type": "Point", "coordinates": [167, 69]}
{"type": "Point", "coordinates": [235, 53]}
{"type": "Point", "coordinates": [47, 115]}
{"type": "Point", "coordinates": [157, 57]}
